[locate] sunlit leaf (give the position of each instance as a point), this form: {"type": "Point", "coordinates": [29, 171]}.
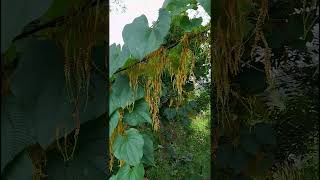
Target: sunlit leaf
{"type": "Point", "coordinates": [149, 39]}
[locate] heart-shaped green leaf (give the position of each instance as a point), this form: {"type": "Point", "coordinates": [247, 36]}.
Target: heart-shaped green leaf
{"type": "Point", "coordinates": [140, 114]}
{"type": "Point", "coordinates": [129, 147]}
{"type": "Point", "coordinates": [188, 25]}
{"type": "Point", "coordinates": [131, 173]}
{"type": "Point", "coordinates": [39, 82]}
{"type": "Point", "coordinates": [149, 39]}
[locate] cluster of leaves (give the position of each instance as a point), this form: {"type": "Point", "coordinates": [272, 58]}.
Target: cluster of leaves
{"type": "Point", "coordinates": [132, 147]}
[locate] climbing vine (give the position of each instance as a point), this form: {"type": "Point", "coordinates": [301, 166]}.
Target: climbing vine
{"type": "Point", "coordinates": [70, 111]}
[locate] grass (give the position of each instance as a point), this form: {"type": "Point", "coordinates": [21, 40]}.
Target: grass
{"type": "Point", "coordinates": [189, 155]}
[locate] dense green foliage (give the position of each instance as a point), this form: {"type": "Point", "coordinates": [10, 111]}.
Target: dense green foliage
{"type": "Point", "coordinates": [257, 61]}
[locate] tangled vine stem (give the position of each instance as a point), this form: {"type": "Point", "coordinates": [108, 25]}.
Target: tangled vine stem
{"type": "Point", "coordinates": [167, 47]}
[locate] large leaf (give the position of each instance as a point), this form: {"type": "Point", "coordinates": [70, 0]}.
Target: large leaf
{"type": "Point", "coordinates": [113, 177]}
{"type": "Point", "coordinates": [89, 161]}
{"type": "Point", "coordinates": [131, 173]}
{"type": "Point", "coordinates": [149, 39]}
{"type": "Point", "coordinates": [148, 150]}
{"type": "Point", "coordinates": [15, 14]}
{"type": "Point", "coordinates": [122, 95]}
{"type": "Point", "coordinates": [117, 57]}
{"type": "Point", "coordinates": [140, 114]}
{"type": "Point", "coordinates": [188, 25]}
{"type": "Point", "coordinates": [129, 147]}
{"type": "Point", "coordinates": [16, 129]}
{"type": "Point", "coordinates": [39, 82]}
{"type": "Point", "coordinates": [20, 168]}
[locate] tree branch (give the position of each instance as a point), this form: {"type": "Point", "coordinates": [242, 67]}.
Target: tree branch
{"type": "Point", "coordinates": [168, 47]}
{"type": "Point", "coordinates": [145, 59]}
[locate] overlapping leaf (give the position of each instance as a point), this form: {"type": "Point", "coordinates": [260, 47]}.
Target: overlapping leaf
{"type": "Point", "coordinates": [117, 58]}
{"type": "Point", "coordinates": [39, 81]}
{"type": "Point", "coordinates": [149, 39]}
{"type": "Point", "coordinates": [129, 173]}
{"type": "Point", "coordinates": [122, 94]}
{"type": "Point", "coordinates": [129, 147]}
{"type": "Point", "coordinates": [15, 14]}
{"type": "Point", "coordinates": [140, 114]}
{"type": "Point", "coordinates": [189, 24]}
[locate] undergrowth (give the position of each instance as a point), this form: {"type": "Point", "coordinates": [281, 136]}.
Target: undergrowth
{"type": "Point", "coordinates": [187, 157]}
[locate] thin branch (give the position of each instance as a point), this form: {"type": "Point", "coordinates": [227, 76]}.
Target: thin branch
{"type": "Point", "coordinates": [145, 59]}
{"type": "Point", "coordinates": [168, 47]}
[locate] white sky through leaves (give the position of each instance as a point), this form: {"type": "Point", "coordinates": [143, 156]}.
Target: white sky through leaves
{"type": "Point", "coordinates": [134, 9]}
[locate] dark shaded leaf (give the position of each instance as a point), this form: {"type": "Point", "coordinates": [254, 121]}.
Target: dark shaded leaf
{"type": "Point", "coordinates": [20, 168]}
{"type": "Point", "coordinates": [15, 14]}
{"type": "Point", "coordinates": [89, 161]}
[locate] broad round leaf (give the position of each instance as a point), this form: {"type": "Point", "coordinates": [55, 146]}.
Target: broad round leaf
{"type": "Point", "coordinates": [188, 25]}
{"type": "Point", "coordinates": [129, 147]}
{"type": "Point", "coordinates": [39, 82]}
{"type": "Point", "coordinates": [140, 114]}
{"type": "Point", "coordinates": [149, 39]}
{"type": "Point", "coordinates": [131, 173]}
